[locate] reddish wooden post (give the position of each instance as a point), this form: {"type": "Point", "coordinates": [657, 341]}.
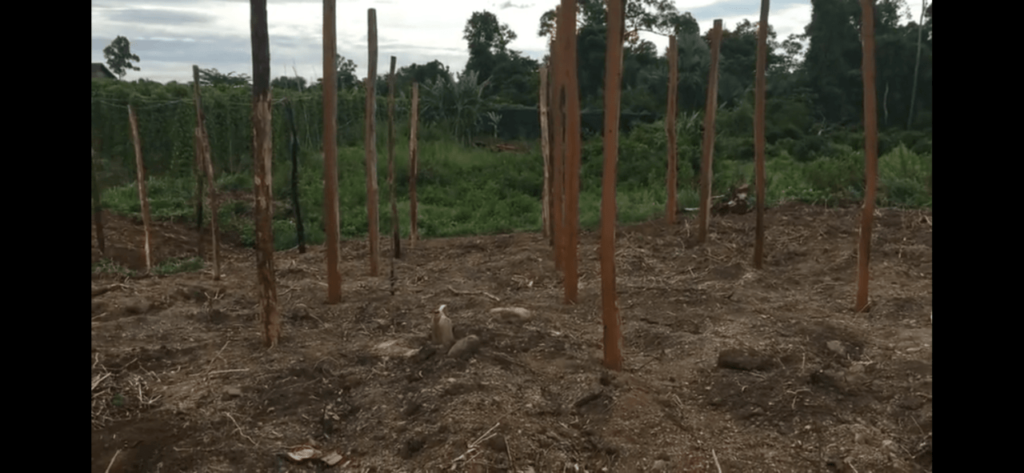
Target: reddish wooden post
{"type": "Point", "coordinates": [670, 127]}
{"type": "Point", "coordinates": [143, 199]}
{"type": "Point", "coordinates": [709, 135]}
{"type": "Point", "coordinates": [396, 242]}
{"type": "Point", "coordinates": [558, 144]}
{"type": "Point", "coordinates": [572, 152]}
{"type": "Point", "coordinates": [870, 151]}
{"type": "Point", "coordinates": [545, 151]}
{"type": "Point", "coordinates": [332, 217]}
{"type": "Point", "coordinates": [97, 209]}
{"type": "Point", "coordinates": [371, 145]}
{"type": "Point", "coordinates": [759, 126]}
{"type": "Point", "coordinates": [613, 84]}
{"type": "Point", "coordinates": [262, 151]}
{"type": "Point", "coordinates": [206, 163]}
{"type": "Point", "coordinates": [413, 164]}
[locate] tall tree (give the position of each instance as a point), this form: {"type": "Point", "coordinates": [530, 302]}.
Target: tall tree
{"type": "Point", "coordinates": [488, 40]}
{"type": "Point", "coordinates": [119, 56]}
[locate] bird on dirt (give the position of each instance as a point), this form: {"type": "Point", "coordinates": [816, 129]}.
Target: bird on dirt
{"type": "Point", "coordinates": [441, 332]}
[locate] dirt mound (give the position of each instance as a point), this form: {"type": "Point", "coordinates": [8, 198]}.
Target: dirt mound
{"type": "Point", "coordinates": [758, 370]}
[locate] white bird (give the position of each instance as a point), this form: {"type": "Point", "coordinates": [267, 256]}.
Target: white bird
{"type": "Point", "coordinates": [442, 328]}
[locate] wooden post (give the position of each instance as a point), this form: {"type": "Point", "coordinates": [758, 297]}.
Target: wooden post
{"type": "Point", "coordinates": [870, 151]}
{"type": "Point", "coordinates": [141, 177]}
{"type": "Point", "coordinates": [396, 242]}
{"type": "Point", "coordinates": [572, 153]}
{"type": "Point", "coordinates": [371, 144]}
{"type": "Point", "coordinates": [262, 152]}
{"type": "Point", "coordinates": [670, 127]}
{"type": "Point", "coordinates": [558, 153]}
{"type": "Point", "coordinates": [200, 168]}
{"type": "Point", "coordinates": [554, 146]}
{"type": "Point", "coordinates": [545, 151]}
{"type": "Point", "coordinates": [205, 160]}
{"type": "Point", "coordinates": [759, 126]}
{"type": "Point", "coordinates": [613, 84]}
{"type": "Point", "coordinates": [293, 141]}
{"type": "Point", "coordinates": [97, 209]}
{"type": "Point", "coordinates": [332, 218]}
{"type": "Point", "coordinates": [413, 164]}
{"type": "Point", "coordinates": [709, 135]}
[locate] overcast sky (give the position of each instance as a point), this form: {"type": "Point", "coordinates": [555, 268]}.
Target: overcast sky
{"type": "Point", "coordinates": [169, 36]}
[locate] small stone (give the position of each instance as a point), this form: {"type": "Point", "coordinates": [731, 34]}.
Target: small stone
{"type": "Point", "coordinates": [465, 347]}
{"type": "Point", "coordinates": [512, 314]}
{"type": "Point", "coordinates": [660, 465]}
{"type": "Point", "coordinates": [232, 391]}
{"type": "Point", "coordinates": [744, 359]}
{"type": "Point", "coordinates": [837, 347]}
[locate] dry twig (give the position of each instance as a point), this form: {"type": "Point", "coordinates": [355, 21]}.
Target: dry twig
{"type": "Point", "coordinates": [483, 293]}
{"type": "Point", "coordinates": [112, 460]}
{"type": "Point", "coordinates": [239, 428]}
{"type": "Point", "coordinates": [719, 467]}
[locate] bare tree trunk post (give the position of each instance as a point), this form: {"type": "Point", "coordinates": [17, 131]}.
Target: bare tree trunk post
{"type": "Point", "coordinates": [545, 151]}
{"type": "Point", "coordinates": [210, 183]}
{"type": "Point", "coordinates": [396, 242]}
{"type": "Point", "coordinates": [293, 141]}
{"type": "Point", "coordinates": [917, 65]}
{"type": "Point", "coordinates": [97, 209]}
{"type": "Point", "coordinates": [332, 218]}
{"type": "Point", "coordinates": [200, 168]}
{"type": "Point", "coordinates": [572, 155]}
{"type": "Point", "coordinates": [413, 164]}
{"type": "Point", "coordinates": [558, 148]}
{"type": "Point", "coordinates": [206, 163]}
{"type": "Point", "coordinates": [759, 127]}
{"type": "Point", "coordinates": [670, 128]}
{"type": "Point", "coordinates": [141, 177]}
{"type": "Point", "coordinates": [870, 151]}
{"type": "Point", "coordinates": [555, 138]}
{"type": "Point", "coordinates": [262, 151]}
{"type": "Point", "coordinates": [613, 84]}
{"type": "Point", "coordinates": [709, 135]}
{"type": "Point", "coordinates": [371, 145]}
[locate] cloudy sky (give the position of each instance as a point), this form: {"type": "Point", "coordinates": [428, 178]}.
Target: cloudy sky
{"type": "Point", "coordinates": [169, 36]}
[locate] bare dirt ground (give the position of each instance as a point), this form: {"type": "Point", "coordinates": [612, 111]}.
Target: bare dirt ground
{"type": "Point", "coordinates": [755, 370]}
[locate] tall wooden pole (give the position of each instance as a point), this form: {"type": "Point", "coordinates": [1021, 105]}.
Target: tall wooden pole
{"type": "Point", "coordinates": [143, 198]}
{"type": "Point", "coordinates": [670, 127]}
{"type": "Point", "coordinates": [613, 84]}
{"type": "Point", "coordinates": [870, 150]}
{"type": "Point", "coordinates": [413, 164]}
{"type": "Point", "coordinates": [332, 217]}
{"type": "Point", "coordinates": [293, 141]}
{"type": "Point", "coordinates": [97, 209]}
{"type": "Point", "coordinates": [759, 127]}
{"type": "Point", "coordinates": [396, 242]}
{"type": "Point", "coordinates": [558, 146]}
{"type": "Point", "coordinates": [709, 135]}
{"type": "Point", "coordinates": [371, 144]}
{"type": "Point", "coordinates": [545, 151]}
{"type": "Point", "coordinates": [572, 152]}
{"type": "Point", "coordinates": [262, 151]}
{"type": "Point", "coordinates": [206, 163]}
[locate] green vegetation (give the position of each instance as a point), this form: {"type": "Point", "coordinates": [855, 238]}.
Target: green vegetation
{"type": "Point", "coordinates": [814, 131]}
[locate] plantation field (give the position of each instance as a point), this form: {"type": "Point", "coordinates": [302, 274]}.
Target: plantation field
{"type": "Point", "coordinates": [756, 370]}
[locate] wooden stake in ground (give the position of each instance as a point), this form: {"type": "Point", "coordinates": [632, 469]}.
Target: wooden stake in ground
{"type": "Point", "coordinates": [371, 145]}
{"type": "Point", "coordinates": [613, 84]}
{"type": "Point", "coordinates": [709, 135]}
{"type": "Point", "coordinates": [558, 144]}
{"type": "Point", "coordinates": [545, 151]}
{"type": "Point", "coordinates": [396, 242]}
{"type": "Point", "coordinates": [293, 141]}
{"type": "Point", "coordinates": [870, 151]}
{"type": "Point", "coordinates": [206, 161]}
{"type": "Point", "coordinates": [670, 127]}
{"type": "Point", "coordinates": [572, 152]}
{"type": "Point", "coordinates": [332, 219]}
{"type": "Point", "coordinates": [262, 151]}
{"type": "Point", "coordinates": [97, 209]}
{"type": "Point", "coordinates": [759, 111]}
{"type": "Point", "coordinates": [141, 176]}
{"type": "Point", "coordinates": [200, 169]}
{"type": "Point", "coordinates": [413, 164]}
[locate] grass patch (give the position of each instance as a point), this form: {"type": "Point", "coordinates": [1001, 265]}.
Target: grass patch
{"type": "Point", "coordinates": [178, 265]}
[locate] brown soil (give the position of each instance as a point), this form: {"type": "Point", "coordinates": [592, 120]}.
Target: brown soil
{"type": "Point", "coordinates": [762, 370]}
